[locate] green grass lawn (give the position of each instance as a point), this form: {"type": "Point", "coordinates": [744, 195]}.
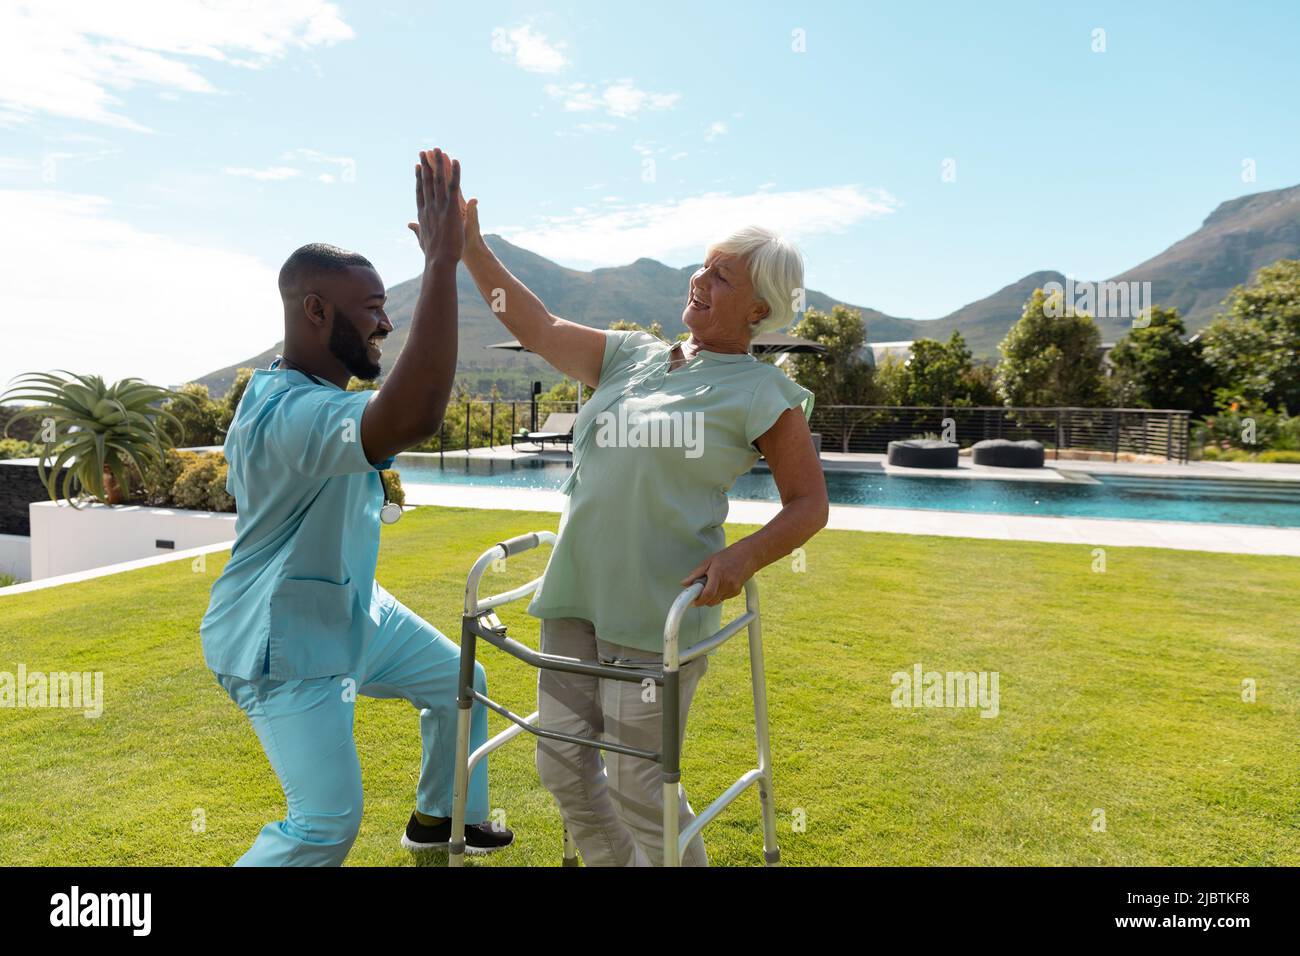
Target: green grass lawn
{"type": "Point", "coordinates": [1120, 692]}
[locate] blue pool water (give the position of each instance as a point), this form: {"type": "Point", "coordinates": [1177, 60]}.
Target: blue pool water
{"type": "Point", "coordinates": [1214, 500]}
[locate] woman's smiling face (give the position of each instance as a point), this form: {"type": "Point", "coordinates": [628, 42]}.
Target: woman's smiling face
{"type": "Point", "coordinates": [720, 304]}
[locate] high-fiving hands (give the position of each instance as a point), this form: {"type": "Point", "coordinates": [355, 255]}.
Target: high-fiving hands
{"type": "Point", "coordinates": [440, 208]}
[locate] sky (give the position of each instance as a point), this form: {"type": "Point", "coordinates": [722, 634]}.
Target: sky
{"type": "Point", "coordinates": [159, 160]}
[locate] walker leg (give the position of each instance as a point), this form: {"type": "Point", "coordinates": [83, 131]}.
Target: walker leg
{"type": "Point", "coordinates": [771, 852]}
{"type": "Point", "coordinates": [460, 788]}
{"type": "Point", "coordinates": [570, 849]}
{"type": "Point", "coordinates": [672, 766]}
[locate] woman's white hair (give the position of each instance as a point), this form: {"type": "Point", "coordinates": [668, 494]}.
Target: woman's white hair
{"type": "Point", "coordinates": [775, 270]}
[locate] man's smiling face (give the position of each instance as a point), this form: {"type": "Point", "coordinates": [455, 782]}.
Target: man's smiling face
{"type": "Point", "coordinates": [360, 323]}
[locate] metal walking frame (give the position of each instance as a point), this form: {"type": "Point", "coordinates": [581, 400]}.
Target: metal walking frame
{"type": "Point", "coordinates": [480, 621]}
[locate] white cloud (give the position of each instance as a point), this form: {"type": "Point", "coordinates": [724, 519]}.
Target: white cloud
{"type": "Point", "coordinates": [599, 126]}
{"type": "Point", "coordinates": [269, 174]}
{"type": "Point", "coordinates": [621, 98]}
{"type": "Point", "coordinates": [347, 166]}
{"type": "Point", "coordinates": [114, 300]}
{"type": "Point", "coordinates": [528, 49]}
{"type": "Point", "coordinates": [716, 128]}
{"type": "Point", "coordinates": [73, 58]}
{"type": "Point", "coordinates": [680, 229]}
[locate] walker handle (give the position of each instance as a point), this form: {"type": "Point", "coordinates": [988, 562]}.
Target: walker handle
{"type": "Point", "coordinates": [509, 548]}
{"type": "Point", "coordinates": [519, 543]}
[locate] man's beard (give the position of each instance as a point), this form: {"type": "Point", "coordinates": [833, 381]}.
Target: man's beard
{"type": "Point", "coordinates": [347, 345]}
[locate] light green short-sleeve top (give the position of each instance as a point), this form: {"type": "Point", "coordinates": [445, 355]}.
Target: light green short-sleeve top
{"type": "Point", "coordinates": [655, 453]}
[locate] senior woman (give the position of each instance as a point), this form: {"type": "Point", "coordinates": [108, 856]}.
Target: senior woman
{"type": "Point", "coordinates": [667, 431]}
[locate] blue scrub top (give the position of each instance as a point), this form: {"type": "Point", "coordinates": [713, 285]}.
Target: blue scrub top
{"type": "Point", "coordinates": [299, 589]}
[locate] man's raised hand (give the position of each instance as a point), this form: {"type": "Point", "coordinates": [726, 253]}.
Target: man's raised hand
{"type": "Point", "coordinates": [440, 208]}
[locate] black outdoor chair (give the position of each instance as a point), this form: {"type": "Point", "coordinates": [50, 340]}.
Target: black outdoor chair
{"type": "Point", "coordinates": [557, 428]}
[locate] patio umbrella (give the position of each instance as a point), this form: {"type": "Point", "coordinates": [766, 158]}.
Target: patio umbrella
{"type": "Point", "coordinates": [778, 343]}
{"type": "Point", "coordinates": [783, 346]}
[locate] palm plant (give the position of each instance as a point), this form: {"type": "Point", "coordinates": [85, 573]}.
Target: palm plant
{"type": "Point", "coordinates": [99, 432]}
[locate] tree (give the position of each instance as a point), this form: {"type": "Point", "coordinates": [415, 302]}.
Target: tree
{"type": "Point", "coordinates": [565, 390]}
{"type": "Point", "coordinates": [936, 372]}
{"type": "Point", "coordinates": [980, 384]}
{"type": "Point", "coordinates": [656, 329]}
{"type": "Point", "coordinates": [202, 418]}
{"type": "Point", "coordinates": [1156, 367]}
{"type": "Point", "coordinates": [237, 389]}
{"type": "Point", "coordinates": [1253, 347]}
{"type": "Point", "coordinates": [230, 403]}
{"type": "Point", "coordinates": [840, 376]}
{"type": "Point", "coordinates": [890, 382]}
{"type": "Point", "coordinates": [1050, 360]}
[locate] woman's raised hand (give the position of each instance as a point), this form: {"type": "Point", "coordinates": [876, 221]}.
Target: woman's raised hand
{"type": "Point", "coordinates": [440, 208]}
{"type": "Point", "coordinates": [473, 238]}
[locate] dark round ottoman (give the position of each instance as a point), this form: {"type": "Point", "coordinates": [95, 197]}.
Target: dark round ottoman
{"type": "Point", "coordinates": [923, 453]}
{"type": "Point", "coordinates": [1008, 454]}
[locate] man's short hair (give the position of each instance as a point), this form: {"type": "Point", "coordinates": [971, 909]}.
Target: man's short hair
{"type": "Point", "coordinates": [312, 260]}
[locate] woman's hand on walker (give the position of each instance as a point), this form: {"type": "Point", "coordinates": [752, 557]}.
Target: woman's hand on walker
{"type": "Point", "coordinates": [725, 574]}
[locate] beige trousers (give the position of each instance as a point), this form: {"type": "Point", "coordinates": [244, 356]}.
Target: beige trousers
{"type": "Point", "coordinates": [611, 804]}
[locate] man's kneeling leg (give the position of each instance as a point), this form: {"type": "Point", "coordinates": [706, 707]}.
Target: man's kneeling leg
{"type": "Point", "coordinates": [305, 727]}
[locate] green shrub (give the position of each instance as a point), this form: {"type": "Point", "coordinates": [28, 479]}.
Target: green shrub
{"type": "Point", "coordinates": [1280, 456]}
{"type": "Point", "coordinates": [197, 484]}
{"type": "Point", "coordinates": [1235, 422]}
{"type": "Point", "coordinates": [218, 498]}
{"type": "Point", "coordinates": [16, 448]}
{"type": "Point", "coordinates": [393, 486]}
{"type": "Point", "coordinates": [158, 483]}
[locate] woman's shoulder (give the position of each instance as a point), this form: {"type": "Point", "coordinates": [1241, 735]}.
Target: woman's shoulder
{"type": "Point", "coordinates": [628, 339]}
{"type": "Point", "coordinates": [625, 349]}
{"type": "Point", "coordinates": [764, 376]}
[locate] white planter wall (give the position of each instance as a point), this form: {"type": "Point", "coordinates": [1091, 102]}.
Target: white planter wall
{"type": "Point", "coordinates": [16, 556]}
{"type": "Point", "coordinates": [65, 539]}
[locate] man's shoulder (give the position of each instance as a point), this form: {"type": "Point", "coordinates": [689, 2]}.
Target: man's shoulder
{"type": "Point", "coordinates": [283, 397]}
{"type": "Point", "coordinates": [265, 389]}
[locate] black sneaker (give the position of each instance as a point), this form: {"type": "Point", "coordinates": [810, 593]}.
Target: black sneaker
{"type": "Point", "coordinates": [480, 838]}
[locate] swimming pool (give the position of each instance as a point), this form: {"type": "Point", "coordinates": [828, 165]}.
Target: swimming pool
{"type": "Point", "coordinates": [1209, 500]}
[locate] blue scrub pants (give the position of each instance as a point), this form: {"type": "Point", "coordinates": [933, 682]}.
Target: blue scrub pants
{"type": "Point", "coordinates": [305, 727]}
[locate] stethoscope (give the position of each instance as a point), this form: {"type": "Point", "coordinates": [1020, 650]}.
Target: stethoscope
{"type": "Point", "coordinates": [391, 510]}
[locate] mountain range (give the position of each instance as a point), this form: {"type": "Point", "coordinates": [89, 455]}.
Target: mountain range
{"type": "Point", "coordinates": [1193, 275]}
